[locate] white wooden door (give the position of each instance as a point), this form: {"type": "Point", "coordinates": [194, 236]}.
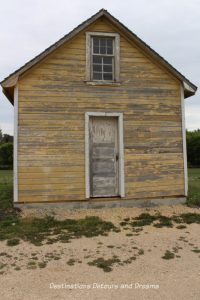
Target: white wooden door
{"type": "Point", "coordinates": [104, 153]}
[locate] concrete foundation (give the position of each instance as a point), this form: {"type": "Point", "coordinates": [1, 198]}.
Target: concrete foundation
{"type": "Point", "coordinates": [105, 204]}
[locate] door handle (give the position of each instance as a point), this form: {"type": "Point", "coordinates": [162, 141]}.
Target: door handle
{"type": "Point", "coordinates": [117, 157]}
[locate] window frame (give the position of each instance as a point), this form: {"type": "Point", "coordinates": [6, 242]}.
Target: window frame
{"type": "Point", "coordinates": [116, 56]}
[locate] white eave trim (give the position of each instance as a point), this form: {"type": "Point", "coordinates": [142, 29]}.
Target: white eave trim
{"type": "Point", "coordinates": [188, 88]}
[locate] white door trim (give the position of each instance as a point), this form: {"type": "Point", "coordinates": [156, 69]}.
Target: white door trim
{"type": "Point", "coordinates": [121, 149]}
{"type": "Point", "coordinates": [15, 160]}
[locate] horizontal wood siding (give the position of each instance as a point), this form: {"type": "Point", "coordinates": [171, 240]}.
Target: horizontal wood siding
{"type": "Point", "coordinates": [53, 98]}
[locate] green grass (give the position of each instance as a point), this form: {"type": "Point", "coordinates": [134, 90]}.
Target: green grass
{"type": "Point", "coordinates": [168, 255]}
{"type": "Point", "coordinates": [71, 262]}
{"type": "Point", "coordinates": [42, 264]}
{"type": "Point", "coordinates": [31, 265]}
{"type": "Point", "coordinates": [13, 242]}
{"type": "Point", "coordinates": [6, 189]}
{"type": "Point", "coordinates": [6, 174]}
{"type": "Point", "coordinates": [38, 231]}
{"type": "Point", "coordinates": [141, 252]}
{"type": "Point", "coordinates": [145, 219]}
{"type": "Point", "coordinates": [181, 227]}
{"type": "Point", "coordinates": [104, 264]}
{"type": "Point", "coordinates": [196, 250]}
{"type": "Point", "coordinates": [194, 187]}
{"type": "Point", "coordinates": [159, 221]}
{"type": "Point", "coordinates": [188, 218]}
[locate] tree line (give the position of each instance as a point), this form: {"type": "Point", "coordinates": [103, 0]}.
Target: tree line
{"type": "Point", "coordinates": [193, 149]}
{"type": "Point", "coordinates": [6, 151]}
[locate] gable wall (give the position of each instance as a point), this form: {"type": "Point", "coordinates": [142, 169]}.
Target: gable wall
{"type": "Point", "coordinates": [53, 99]}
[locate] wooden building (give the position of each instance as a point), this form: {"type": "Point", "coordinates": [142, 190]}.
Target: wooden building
{"type": "Point", "coordinates": [99, 118]}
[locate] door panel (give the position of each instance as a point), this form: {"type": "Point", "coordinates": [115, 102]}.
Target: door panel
{"type": "Point", "coordinates": [103, 156]}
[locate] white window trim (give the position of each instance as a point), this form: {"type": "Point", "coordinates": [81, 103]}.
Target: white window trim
{"type": "Point", "coordinates": [121, 150]}
{"type": "Point", "coordinates": [116, 36]}
{"type": "Point", "coordinates": [184, 142]}
{"type": "Point", "coordinates": [15, 161]}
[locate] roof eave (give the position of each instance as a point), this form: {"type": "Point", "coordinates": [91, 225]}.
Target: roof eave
{"type": "Point", "coordinates": [188, 90]}
{"type": "Point", "coordinates": [9, 93]}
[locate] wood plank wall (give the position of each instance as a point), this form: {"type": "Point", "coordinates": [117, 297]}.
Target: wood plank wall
{"type": "Point", "coordinates": [53, 98]}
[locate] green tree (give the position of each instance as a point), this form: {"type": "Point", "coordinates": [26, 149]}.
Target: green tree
{"type": "Point", "coordinates": [6, 150]}
{"type": "Point", "coordinates": [193, 147]}
{"type": "Point", "coordinates": [1, 136]}
{"type": "Point", "coordinates": [6, 154]}
{"type": "Point", "coordinates": [7, 138]}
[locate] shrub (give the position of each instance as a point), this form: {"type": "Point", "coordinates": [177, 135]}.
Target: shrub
{"type": "Point", "coordinates": [6, 154]}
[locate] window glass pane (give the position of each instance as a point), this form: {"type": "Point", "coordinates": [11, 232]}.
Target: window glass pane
{"type": "Point", "coordinates": [107, 60]}
{"type": "Point", "coordinates": [96, 50]}
{"type": "Point", "coordinates": [102, 50]}
{"type": "Point", "coordinates": [107, 68]}
{"type": "Point", "coordinates": [109, 46]}
{"type": "Point", "coordinates": [96, 42]}
{"type": "Point", "coordinates": [97, 59]}
{"type": "Point", "coordinates": [97, 68]}
{"type": "Point", "coordinates": [107, 76]}
{"type": "Point", "coordinates": [109, 50]}
{"type": "Point", "coordinates": [102, 42]}
{"type": "Point", "coordinates": [109, 43]}
{"type": "Point", "coordinates": [97, 76]}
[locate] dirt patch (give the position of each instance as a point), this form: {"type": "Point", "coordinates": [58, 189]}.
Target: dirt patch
{"type": "Point", "coordinates": [127, 264]}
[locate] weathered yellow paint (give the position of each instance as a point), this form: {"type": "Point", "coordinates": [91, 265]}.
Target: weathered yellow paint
{"type": "Point", "coordinates": [53, 98]}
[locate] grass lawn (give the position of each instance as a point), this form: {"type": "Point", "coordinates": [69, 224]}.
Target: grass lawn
{"type": "Point", "coordinates": [5, 175]}
{"type": "Point", "coordinates": [6, 188]}
{"type": "Point", "coordinates": [6, 182]}
{"type": "Point", "coordinates": [194, 187]}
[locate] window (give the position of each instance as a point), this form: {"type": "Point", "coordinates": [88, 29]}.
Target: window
{"type": "Point", "coordinates": [102, 57]}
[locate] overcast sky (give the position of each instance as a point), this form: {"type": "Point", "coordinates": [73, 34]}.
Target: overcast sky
{"type": "Point", "coordinates": [170, 27]}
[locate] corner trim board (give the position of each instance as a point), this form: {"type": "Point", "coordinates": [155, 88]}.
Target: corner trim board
{"type": "Point", "coordinates": [15, 161]}
{"type": "Point", "coordinates": [184, 141]}
{"type": "Point", "coordinates": [87, 171]}
{"type": "Point", "coordinates": [121, 150]}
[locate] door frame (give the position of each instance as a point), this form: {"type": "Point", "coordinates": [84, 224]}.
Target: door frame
{"type": "Point", "coordinates": [121, 149]}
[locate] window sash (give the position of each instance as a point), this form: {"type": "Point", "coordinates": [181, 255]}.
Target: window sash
{"type": "Point", "coordinates": [102, 66]}
{"type": "Point", "coordinates": [102, 74]}
{"type": "Point", "coordinates": [99, 39]}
